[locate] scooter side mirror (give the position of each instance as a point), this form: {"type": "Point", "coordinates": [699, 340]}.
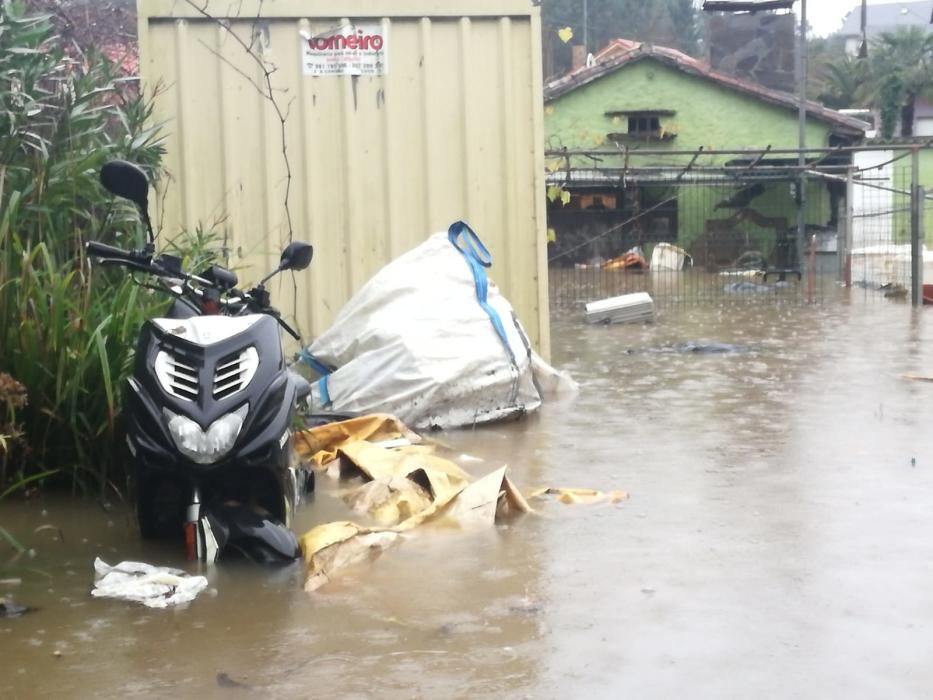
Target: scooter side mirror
{"type": "Point", "coordinates": [296, 256]}
{"type": "Point", "coordinates": [126, 180]}
{"type": "Point", "coordinates": [130, 182]}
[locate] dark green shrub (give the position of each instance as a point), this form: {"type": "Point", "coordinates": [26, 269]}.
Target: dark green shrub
{"type": "Point", "coordinates": [66, 332]}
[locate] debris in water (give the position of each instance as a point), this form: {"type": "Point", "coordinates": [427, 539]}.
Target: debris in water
{"type": "Point", "coordinates": [699, 348]}
{"type": "Point", "coordinates": [571, 495]}
{"type": "Point", "coordinates": [403, 488]}
{"type": "Point", "coordinates": [333, 546]}
{"type": "Point", "coordinates": [526, 606]}
{"type": "Point", "coordinates": [10, 608]}
{"type": "Point", "coordinates": [153, 586]}
{"type": "Point", "coordinates": [916, 378]}
{"type": "Point", "coordinates": [628, 308]}
{"type": "Point", "coordinates": [225, 681]}
{"type": "Point", "coordinates": [746, 288]}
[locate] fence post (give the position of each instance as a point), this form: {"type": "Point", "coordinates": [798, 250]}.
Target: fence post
{"type": "Point", "coordinates": [844, 247]}
{"type": "Point", "coordinates": [811, 269]}
{"type": "Point", "coordinates": [916, 230]}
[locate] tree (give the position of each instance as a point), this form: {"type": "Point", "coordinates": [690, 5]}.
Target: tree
{"type": "Point", "coordinates": [686, 25]}
{"type": "Point", "coordinates": [900, 71]}
{"type": "Point", "coordinates": [840, 84]}
{"type": "Point", "coordinates": [890, 96]}
{"type": "Point", "coordinates": [672, 23]}
{"type": "Point", "coordinates": [88, 23]}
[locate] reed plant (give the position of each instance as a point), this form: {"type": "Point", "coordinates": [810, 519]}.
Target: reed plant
{"type": "Point", "coordinates": [66, 330]}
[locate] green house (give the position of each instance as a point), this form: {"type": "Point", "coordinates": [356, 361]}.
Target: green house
{"type": "Point", "coordinates": [654, 123]}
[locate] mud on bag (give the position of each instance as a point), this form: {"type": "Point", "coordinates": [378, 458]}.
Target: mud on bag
{"type": "Point", "coordinates": [431, 340]}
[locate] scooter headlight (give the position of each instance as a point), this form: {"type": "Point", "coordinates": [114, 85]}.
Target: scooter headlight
{"type": "Point", "coordinates": [206, 447]}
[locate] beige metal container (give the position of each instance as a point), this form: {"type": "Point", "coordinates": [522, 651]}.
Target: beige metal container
{"type": "Point", "coordinates": [443, 122]}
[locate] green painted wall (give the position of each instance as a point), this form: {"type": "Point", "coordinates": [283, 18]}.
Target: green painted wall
{"type": "Point", "coordinates": [901, 203]}
{"type": "Point", "coordinates": [696, 206]}
{"type": "Point", "coordinates": [707, 115]}
{"type": "Point", "coordinates": [926, 179]}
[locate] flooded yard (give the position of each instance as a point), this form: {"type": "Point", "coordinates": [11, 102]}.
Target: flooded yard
{"type": "Point", "coordinates": [776, 540]}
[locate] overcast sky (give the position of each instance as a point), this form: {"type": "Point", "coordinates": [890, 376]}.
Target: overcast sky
{"type": "Point", "coordinates": [825, 16]}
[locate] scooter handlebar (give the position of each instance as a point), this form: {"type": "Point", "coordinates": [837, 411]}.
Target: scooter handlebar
{"type": "Point", "coordinates": [102, 250]}
{"type": "Point", "coordinates": [256, 299]}
{"type": "Point", "coordinates": [140, 260]}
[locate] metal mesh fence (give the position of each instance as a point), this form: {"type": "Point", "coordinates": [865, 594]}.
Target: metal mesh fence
{"type": "Point", "coordinates": [731, 231]}
{"type": "Point", "coordinates": [879, 247]}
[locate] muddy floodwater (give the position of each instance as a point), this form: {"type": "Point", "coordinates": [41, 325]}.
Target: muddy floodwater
{"type": "Point", "coordinates": [778, 540]}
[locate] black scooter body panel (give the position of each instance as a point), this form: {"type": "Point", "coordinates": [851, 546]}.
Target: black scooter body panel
{"type": "Point", "coordinates": [263, 335]}
{"type": "Point", "coordinates": [256, 471]}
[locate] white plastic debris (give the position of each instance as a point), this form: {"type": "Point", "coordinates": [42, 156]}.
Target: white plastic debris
{"type": "Point", "coordinates": [628, 308]}
{"type": "Point", "coordinates": [153, 586]}
{"type": "Point", "coordinates": [665, 256]}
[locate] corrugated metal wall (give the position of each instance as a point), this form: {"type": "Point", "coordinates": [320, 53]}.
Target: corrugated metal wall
{"type": "Point", "coordinates": [452, 130]}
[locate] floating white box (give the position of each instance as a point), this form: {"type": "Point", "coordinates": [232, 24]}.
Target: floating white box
{"type": "Point", "coordinates": [628, 308]}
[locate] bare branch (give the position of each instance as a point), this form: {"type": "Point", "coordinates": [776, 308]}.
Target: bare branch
{"type": "Point", "coordinates": [231, 65]}
{"type": "Point", "coordinates": [268, 92]}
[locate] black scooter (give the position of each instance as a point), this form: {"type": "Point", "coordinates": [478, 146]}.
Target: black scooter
{"type": "Point", "coordinates": [210, 404]}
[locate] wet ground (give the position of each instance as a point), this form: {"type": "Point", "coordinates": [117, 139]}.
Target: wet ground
{"type": "Point", "coordinates": [777, 542]}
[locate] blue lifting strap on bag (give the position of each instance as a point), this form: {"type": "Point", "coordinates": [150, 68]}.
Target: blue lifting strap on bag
{"type": "Point", "coordinates": [324, 391]}
{"type": "Point", "coordinates": [321, 369]}
{"type": "Point", "coordinates": [314, 363]}
{"type": "Point", "coordinates": [465, 240]}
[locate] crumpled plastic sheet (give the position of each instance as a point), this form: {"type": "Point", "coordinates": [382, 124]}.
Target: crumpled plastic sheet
{"type": "Point", "coordinates": [403, 488]}
{"type": "Point", "coordinates": [321, 444]}
{"type": "Point", "coordinates": [402, 503]}
{"type": "Point", "coordinates": [153, 586]}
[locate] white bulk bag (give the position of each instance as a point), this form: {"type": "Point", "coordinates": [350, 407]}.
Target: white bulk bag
{"type": "Point", "coordinates": [429, 340]}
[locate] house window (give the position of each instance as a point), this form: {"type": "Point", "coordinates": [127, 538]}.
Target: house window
{"type": "Point", "coordinates": [641, 125]}
{"type": "Point", "coordinates": [644, 126]}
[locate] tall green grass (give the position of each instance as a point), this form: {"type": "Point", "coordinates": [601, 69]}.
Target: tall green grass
{"type": "Point", "coordinates": [66, 331]}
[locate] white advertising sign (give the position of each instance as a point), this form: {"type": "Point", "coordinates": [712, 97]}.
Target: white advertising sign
{"type": "Point", "coordinates": [360, 49]}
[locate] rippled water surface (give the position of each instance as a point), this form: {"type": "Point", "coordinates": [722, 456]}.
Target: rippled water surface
{"type": "Point", "coordinates": [776, 541]}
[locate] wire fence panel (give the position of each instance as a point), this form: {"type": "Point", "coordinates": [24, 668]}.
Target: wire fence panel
{"type": "Point", "coordinates": [688, 234]}
{"type": "Point", "coordinates": [880, 250]}
{"type": "Point", "coordinates": [691, 241]}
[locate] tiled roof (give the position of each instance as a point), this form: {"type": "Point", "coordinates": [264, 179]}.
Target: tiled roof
{"type": "Point", "coordinates": [124, 56]}
{"type": "Point", "coordinates": [623, 52]}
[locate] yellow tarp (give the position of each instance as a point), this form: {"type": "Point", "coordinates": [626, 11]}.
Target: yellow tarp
{"type": "Point", "coordinates": [320, 444]}
{"type": "Point", "coordinates": [403, 487]}
{"type": "Point", "coordinates": [333, 546]}
{"type": "Point", "coordinates": [571, 495]}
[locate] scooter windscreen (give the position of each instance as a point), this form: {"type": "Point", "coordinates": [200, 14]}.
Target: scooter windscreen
{"type": "Point", "coordinates": [234, 531]}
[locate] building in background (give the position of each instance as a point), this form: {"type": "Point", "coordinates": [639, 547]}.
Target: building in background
{"type": "Point", "coordinates": [884, 18]}
{"type": "Point", "coordinates": [639, 99]}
